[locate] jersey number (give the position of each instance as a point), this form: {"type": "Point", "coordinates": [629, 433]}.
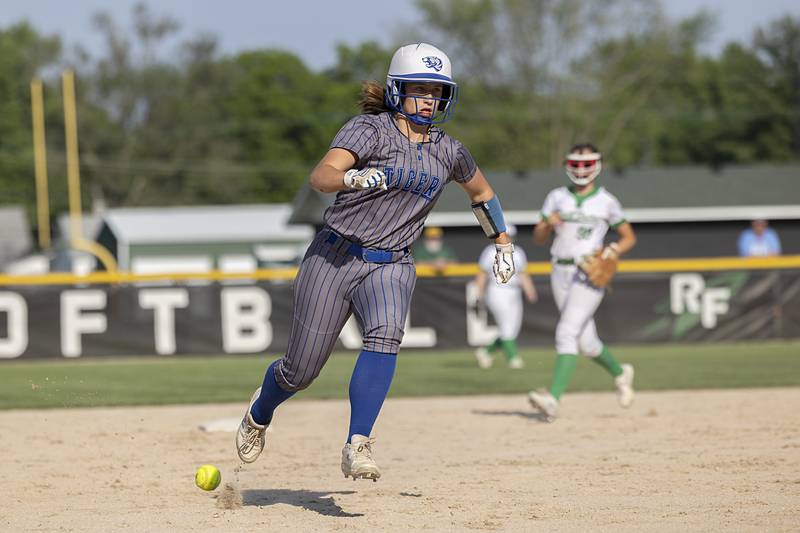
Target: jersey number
{"type": "Point", "coordinates": [584, 232]}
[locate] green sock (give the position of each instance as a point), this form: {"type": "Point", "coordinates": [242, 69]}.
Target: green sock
{"type": "Point", "coordinates": [496, 345]}
{"type": "Point", "coordinates": [509, 349]}
{"type": "Point", "coordinates": [565, 366]}
{"type": "Point", "coordinates": [607, 361]}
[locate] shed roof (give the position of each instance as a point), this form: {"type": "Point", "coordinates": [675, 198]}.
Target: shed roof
{"type": "Point", "coordinates": [226, 223]}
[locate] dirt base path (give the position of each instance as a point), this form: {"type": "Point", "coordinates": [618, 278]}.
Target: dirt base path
{"type": "Point", "coordinates": [702, 460]}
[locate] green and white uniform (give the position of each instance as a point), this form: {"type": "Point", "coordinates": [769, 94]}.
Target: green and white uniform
{"type": "Point", "coordinates": [587, 219]}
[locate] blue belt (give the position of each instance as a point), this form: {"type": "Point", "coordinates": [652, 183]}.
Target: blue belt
{"type": "Point", "coordinates": [368, 255]}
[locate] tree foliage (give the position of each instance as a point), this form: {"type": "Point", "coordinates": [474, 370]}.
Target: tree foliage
{"type": "Point", "coordinates": [189, 125]}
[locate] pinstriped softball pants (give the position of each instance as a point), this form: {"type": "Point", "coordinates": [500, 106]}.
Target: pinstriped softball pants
{"type": "Point", "coordinates": [330, 285]}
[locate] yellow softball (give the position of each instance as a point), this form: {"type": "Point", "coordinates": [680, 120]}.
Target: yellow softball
{"type": "Point", "coordinates": [207, 477]}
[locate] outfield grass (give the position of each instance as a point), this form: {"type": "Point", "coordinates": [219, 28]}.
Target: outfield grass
{"type": "Point", "coordinates": [173, 380]}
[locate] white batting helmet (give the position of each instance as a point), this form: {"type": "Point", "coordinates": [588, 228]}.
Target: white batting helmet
{"type": "Point", "coordinates": [421, 62]}
{"type": "Point", "coordinates": [583, 168]}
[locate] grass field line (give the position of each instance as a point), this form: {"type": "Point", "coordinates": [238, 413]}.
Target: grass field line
{"type": "Point", "coordinates": [220, 379]}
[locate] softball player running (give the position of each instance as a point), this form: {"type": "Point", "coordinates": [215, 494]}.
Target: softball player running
{"type": "Point", "coordinates": [389, 166]}
{"type": "Point", "coordinates": [581, 215]}
{"type": "Point", "coordinates": [505, 304]}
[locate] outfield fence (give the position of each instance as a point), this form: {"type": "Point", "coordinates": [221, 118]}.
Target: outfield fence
{"type": "Point", "coordinates": [651, 301]}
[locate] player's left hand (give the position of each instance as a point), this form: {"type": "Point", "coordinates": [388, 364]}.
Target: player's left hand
{"type": "Point", "coordinates": [504, 263]}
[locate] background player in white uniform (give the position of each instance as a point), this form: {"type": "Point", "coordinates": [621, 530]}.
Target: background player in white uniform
{"type": "Point", "coordinates": [580, 215]}
{"type": "Point", "coordinates": [505, 303]}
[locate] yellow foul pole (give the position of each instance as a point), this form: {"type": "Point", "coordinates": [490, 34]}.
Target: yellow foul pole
{"type": "Point", "coordinates": [74, 177]}
{"type": "Point", "coordinates": [40, 164]}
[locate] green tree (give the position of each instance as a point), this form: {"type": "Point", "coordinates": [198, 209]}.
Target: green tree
{"type": "Point", "coordinates": [285, 116]}
{"type": "Point", "coordinates": [367, 61]}
{"type": "Point", "coordinates": [522, 56]}
{"type": "Point", "coordinates": [24, 55]}
{"type": "Point", "coordinates": [154, 130]}
{"type": "Point", "coordinates": [779, 45]}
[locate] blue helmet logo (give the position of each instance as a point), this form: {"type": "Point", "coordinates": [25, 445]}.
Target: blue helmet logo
{"type": "Point", "coordinates": [433, 62]}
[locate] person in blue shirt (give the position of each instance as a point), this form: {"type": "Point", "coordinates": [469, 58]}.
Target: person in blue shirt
{"type": "Point", "coordinates": [759, 240]}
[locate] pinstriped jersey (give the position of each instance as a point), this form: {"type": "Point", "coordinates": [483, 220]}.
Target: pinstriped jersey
{"type": "Point", "coordinates": [586, 220]}
{"type": "Point", "coordinates": [416, 174]}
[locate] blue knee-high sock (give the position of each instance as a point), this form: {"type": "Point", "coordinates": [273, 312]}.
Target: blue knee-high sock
{"type": "Point", "coordinates": [369, 385]}
{"type": "Point", "coordinates": [272, 395]}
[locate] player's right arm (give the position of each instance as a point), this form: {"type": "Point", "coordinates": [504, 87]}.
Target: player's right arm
{"type": "Point", "coordinates": [480, 284]}
{"type": "Point", "coordinates": [335, 173]}
{"type": "Point", "coordinates": [528, 288]}
{"type": "Point", "coordinates": [328, 175]}
{"type": "Point", "coordinates": [550, 219]}
{"type": "Point", "coordinates": [485, 263]}
{"type": "Point", "coordinates": [542, 231]}
{"type": "Point", "coordinates": [356, 141]}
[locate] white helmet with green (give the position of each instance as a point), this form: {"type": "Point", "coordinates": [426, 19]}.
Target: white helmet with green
{"type": "Point", "coordinates": [421, 62]}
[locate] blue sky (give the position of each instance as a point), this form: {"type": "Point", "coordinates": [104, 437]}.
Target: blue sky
{"type": "Point", "coordinates": [249, 24]}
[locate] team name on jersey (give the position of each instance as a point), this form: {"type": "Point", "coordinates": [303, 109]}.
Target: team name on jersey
{"type": "Point", "coordinates": [580, 217]}
{"type": "Point", "coordinates": [418, 183]}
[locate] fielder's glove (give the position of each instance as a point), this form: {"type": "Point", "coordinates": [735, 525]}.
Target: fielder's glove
{"type": "Point", "coordinates": [601, 266]}
{"type": "Point", "coordinates": [504, 262]}
{"type": "Point", "coordinates": [366, 178]}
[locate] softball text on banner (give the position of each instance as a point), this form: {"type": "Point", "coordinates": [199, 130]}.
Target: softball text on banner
{"type": "Point", "coordinates": [227, 318]}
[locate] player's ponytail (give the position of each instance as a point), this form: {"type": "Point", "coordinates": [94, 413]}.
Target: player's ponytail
{"type": "Point", "coordinates": [372, 99]}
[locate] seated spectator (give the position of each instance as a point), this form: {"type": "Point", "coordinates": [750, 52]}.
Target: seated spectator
{"type": "Point", "coordinates": [759, 240]}
{"type": "Point", "coordinates": [432, 251]}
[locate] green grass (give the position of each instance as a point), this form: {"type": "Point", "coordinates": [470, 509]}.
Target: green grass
{"type": "Point", "coordinates": [172, 380]}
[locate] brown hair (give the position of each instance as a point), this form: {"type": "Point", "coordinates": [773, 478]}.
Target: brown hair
{"type": "Point", "coordinates": [372, 98]}
{"type": "Point", "coordinates": [580, 147]}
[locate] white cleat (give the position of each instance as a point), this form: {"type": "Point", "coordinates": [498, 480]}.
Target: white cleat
{"type": "Point", "coordinates": [250, 437]}
{"type": "Point", "coordinates": [516, 363]}
{"type": "Point", "coordinates": [357, 461]}
{"type": "Point", "coordinates": [484, 358]}
{"type": "Point", "coordinates": [545, 403]}
{"type": "Point", "coordinates": [624, 384]}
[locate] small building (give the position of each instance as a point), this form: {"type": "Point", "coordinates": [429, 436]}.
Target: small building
{"type": "Point", "coordinates": [232, 238]}
{"type": "Point", "coordinates": [676, 211]}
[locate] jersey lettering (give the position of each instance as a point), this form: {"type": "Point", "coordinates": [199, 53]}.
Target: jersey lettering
{"type": "Point", "coordinates": [413, 171]}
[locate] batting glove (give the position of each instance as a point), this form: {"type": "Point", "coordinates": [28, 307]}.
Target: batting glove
{"type": "Point", "coordinates": [366, 178]}
{"type": "Point", "coordinates": [503, 263]}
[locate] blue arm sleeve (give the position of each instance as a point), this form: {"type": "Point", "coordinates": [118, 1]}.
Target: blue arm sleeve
{"type": "Point", "coordinates": [490, 217]}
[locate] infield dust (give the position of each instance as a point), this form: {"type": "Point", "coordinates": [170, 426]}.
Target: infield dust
{"type": "Point", "coordinates": [701, 460]}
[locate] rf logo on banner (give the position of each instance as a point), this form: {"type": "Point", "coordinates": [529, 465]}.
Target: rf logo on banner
{"type": "Point", "coordinates": [689, 294]}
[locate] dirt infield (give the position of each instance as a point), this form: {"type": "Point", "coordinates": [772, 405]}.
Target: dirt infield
{"type": "Point", "coordinates": [703, 460]}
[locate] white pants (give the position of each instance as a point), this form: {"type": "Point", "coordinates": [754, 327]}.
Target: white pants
{"type": "Point", "coordinates": [577, 302]}
{"type": "Point", "coordinates": [505, 303]}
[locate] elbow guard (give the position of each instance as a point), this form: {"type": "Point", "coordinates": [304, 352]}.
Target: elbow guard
{"type": "Point", "coordinates": [490, 217]}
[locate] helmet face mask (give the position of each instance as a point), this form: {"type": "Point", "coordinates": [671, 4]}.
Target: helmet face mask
{"type": "Point", "coordinates": [421, 63]}
{"type": "Point", "coordinates": [582, 169]}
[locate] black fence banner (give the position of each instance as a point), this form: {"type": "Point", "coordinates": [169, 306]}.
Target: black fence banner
{"type": "Point", "coordinates": [201, 317]}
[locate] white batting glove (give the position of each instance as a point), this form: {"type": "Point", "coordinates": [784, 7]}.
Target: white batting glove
{"type": "Point", "coordinates": [366, 178]}
{"type": "Point", "coordinates": [503, 263]}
